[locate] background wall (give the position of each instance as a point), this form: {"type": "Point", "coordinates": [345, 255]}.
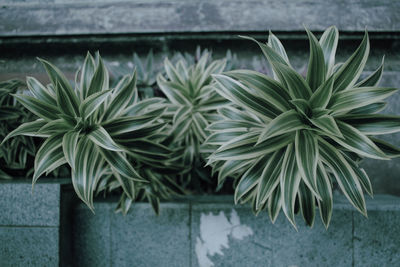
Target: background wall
{"type": "Point", "coordinates": [63, 30]}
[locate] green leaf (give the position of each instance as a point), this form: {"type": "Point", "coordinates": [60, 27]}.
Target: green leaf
{"type": "Point", "coordinates": [316, 71]}
{"type": "Point", "coordinates": [69, 143]}
{"type": "Point", "coordinates": [286, 122]}
{"type": "Point", "coordinates": [361, 174]}
{"type": "Point", "coordinates": [120, 164]}
{"type": "Point", "coordinates": [67, 92]}
{"type": "Point", "coordinates": [345, 176]}
{"type": "Point", "coordinates": [373, 79]}
{"type": "Point", "coordinates": [27, 128]}
{"type": "Point", "coordinates": [307, 204]}
{"type": "Point", "coordinates": [100, 79]}
{"type": "Point", "coordinates": [39, 91]}
{"type": "Point", "coordinates": [390, 150]}
{"type": "Point", "coordinates": [122, 125]}
{"type": "Point", "coordinates": [274, 204]}
{"type": "Point", "coordinates": [277, 46]}
{"type": "Point", "coordinates": [264, 86]}
{"type": "Point", "coordinates": [374, 124]}
{"type": "Point", "coordinates": [328, 42]}
{"type": "Point", "coordinates": [9, 113]}
{"type": "Point", "coordinates": [87, 172]}
{"type": "Point", "coordinates": [321, 97]}
{"type": "Point", "coordinates": [55, 126]}
{"type": "Point", "coordinates": [345, 101]}
{"type": "Point", "coordinates": [173, 94]}
{"type": "Point", "coordinates": [100, 137]}
{"type": "Point", "coordinates": [306, 148]}
{"type": "Point", "coordinates": [368, 109]}
{"type": "Point", "coordinates": [289, 182]}
{"type": "Point", "coordinates": [269, 52]}
{"type": "Point", "coordinates": [49, 154]}
{"type": "Point", "coordinates": [87, 72]}
{"type": "Point", "coordinates": [242, 96]}
{"type": "Point", "coordinates": [121, 98]}
{"type": "Point", "coordinates": [92, 103]}
{"type": "Point", "coordinates": [232, 167]}
{"type": "Point", "coordinates": [357, 142]}
{"type": "Point", "coordinates": [37, 107]}
{"type": "Point", "coordinates": [325, 190]}
{"type": "Point", "coordinates": [348, 74]}
{"type": "Point", "coordinates": [270, 177]}
{"type": "Point", "coordinates": [250, 179]}
{"type": "Point", "coordinates": [297, 86]}
{"type": "Point", "coordinates": [327, 125]}
{"type": "Point", "coordinates": [249, 149]}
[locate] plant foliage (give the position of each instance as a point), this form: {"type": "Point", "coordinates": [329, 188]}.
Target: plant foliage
{"type": "Point", "coordinates": [104, 134]}
{"type": "Point", "coordinates": [193, 105]}
{"type": "Point", "coordinates": [290, 137]}
{"type": "Point", "coordinates": [15, 154]}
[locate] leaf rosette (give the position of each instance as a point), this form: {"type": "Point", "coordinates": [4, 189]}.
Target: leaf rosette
{"type": "Point", "coordinates": [100, 132]}
{"type": "Point", "coordinates": [289, 137]}
{"type": "Point", "coordinates": [192, 107]}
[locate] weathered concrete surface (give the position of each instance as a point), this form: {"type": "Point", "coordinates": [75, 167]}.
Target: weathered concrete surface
{"type": "Point", "coordinates": [226, 235]}
{"type": "Point", "coordinates": [29, 224]}
{"type": "Point", "coordinates": [21, 207]}
{"type": "Point", "coordinates": [111, 17]}
{"type": "Point", "coordinates": [91, 236]}
{"type": "Point", "coordinates": [29, 246]}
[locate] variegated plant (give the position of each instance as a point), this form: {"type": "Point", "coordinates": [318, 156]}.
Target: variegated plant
{"type": "Point", "coordinates": [93, 128]}
{"type": "Point", "coordinates": [192, 107]}
{"type": "Point", "coordinates": [15, 155]}
{"type": "Point", "coordinates": [290, 137]}
{"type": "Point", "coordinates": [146, 73]}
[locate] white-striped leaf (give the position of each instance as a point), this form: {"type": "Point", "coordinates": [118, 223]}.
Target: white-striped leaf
{"type": "Point", "coordinates": [374, 78]}
{"type": "Point", "coordinates": [344, 174]}
{"type": "Point", "coordinates": [27, 128]}
{"type": "Point", "coordinates": [69, 142]}
{"type": "Point", "coordinates": [348, 74]}
{"type": "Point", "coordinates": [358, 97]}
{"type": "Point", "coordinates": [289, 183]}
{"type": "Point", "coordinates": [325, 190]}
{"type": "Point", "coordinates": [100, 137]}
{"type": "Point", "coordinates": [306, 148]}
{"type": "Point", "coordinates": [286, 122]}
{"type": "Point", "coordinates": [374, 124]}
{"type": "Point", "coordinates": [316, 71]}
{"type": "Point", "coordinates": [328, 42]}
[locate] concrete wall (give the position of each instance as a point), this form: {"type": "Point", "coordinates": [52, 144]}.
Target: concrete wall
{"type": "Point", "coordinates": [29, 224]}
{"type": "Point", "coordinates": [214, 232]}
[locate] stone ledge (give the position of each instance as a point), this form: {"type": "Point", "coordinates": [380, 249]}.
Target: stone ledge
{"type": "Point", "coordinates": [50, 18]}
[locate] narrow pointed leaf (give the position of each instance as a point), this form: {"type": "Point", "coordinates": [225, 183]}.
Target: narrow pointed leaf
{"type": "Point", "coordinates": [316, 71]}
{"type": "Point", "coordinates": [27, 128]}
{"type": "Point", "coordinates": [289, 183]}
{"type": "Point", "coordinates": [39, 108]}
{"type": "Point", "coordinates": [325, 190]}
{"type": "Point", "coordinates": [348, 74]}
{"type": "Point", "coordinates": [306, 148]}
{"type": "Point", "coordinates": [92, 103]}
{"type": "Point", "coordinates": [284, 123]}
{"type": "Point", "coordinates": [69, 143]}
{"type": "Point", "coordinates": [329, 42]}
{"type": "Point", "coordinates": [375, 124]}
{"type": "Point", "coordinates": [307, 204]}
{"type": "Point", "coordinates": [358, 97]}
{"type": "Point", "coordinates": [277, 46]}
{"type": "Point", "coordinates": [327, 124]}
{"type": "Point", "coordinates": [374, 78]}
{"type": "Point", "coordinates": [100, 137]}
{"type": "Point", "coordinates": [344, 174]}
{"type": "Point", "coordinates": [39, 91]}
{"type": "Point", "coordinates": [321, 97]}
{"type": "Point", "coordinates": [87, 73]}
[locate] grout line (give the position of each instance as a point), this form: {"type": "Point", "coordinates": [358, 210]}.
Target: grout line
{"type": "Point", "coordinates": [110, 234]}
{"type": "Point", "coordinates": [352, 238]}
{"type": "Point", "coordinates": [190, 234]}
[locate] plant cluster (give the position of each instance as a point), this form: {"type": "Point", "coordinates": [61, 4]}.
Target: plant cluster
{"type": "Point", "coordinates": [284, 141]}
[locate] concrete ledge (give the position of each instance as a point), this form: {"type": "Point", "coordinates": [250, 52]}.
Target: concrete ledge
{"type": "Point", "coordinates": [202, 232]}
{"type": "Point", "coordinates": [66, 17]}
{"type": "Point", "coordinates": [29, 224]}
